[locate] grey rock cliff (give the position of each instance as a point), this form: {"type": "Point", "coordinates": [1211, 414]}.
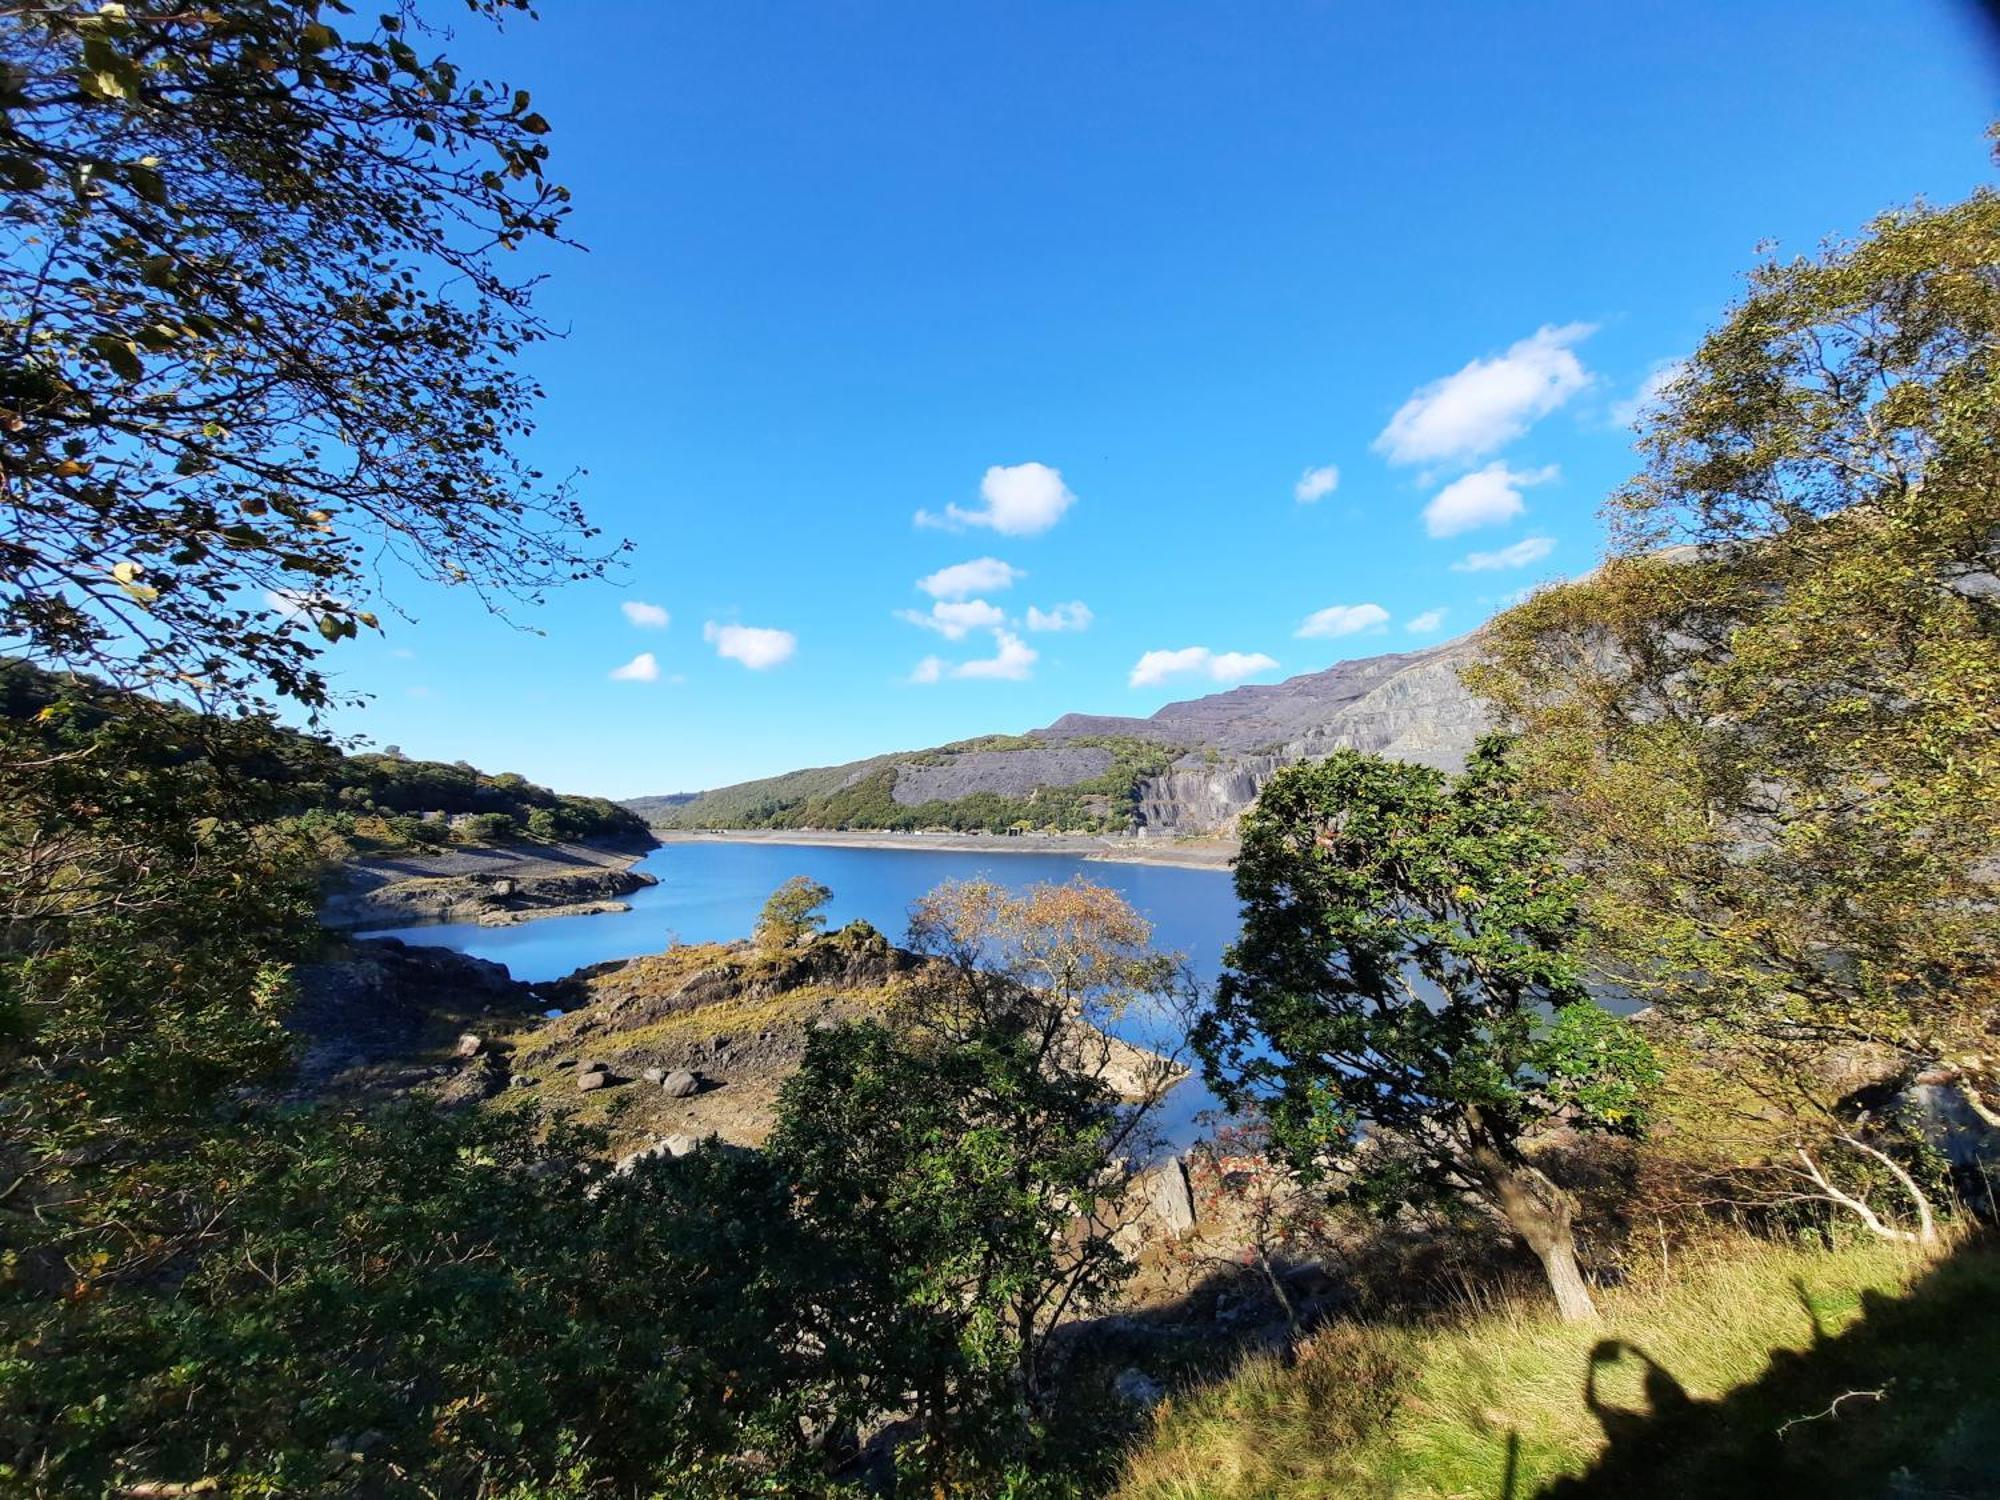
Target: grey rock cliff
{"type": "Point", "coordinates": [1407, 705]}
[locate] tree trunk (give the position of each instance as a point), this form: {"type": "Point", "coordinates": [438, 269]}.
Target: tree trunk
{"type": "Point", "coordinates": [1540, 1212]}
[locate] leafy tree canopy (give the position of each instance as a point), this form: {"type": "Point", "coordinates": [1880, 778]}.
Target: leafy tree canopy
{"type": "Point", "coordinates": [1404, 1004]}
{"type": "Point", "coordinates": [1769, 727]}
{"type": "Point", "coordinates": [795, 911]}
{"type": "Point", "coordinates": [259, 335]}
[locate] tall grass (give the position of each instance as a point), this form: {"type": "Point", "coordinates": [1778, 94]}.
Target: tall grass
{"type": "Point", "coordinates": [1729, 1346]}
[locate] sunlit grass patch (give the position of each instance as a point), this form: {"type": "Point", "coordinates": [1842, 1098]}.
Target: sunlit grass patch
{"type": "Point", "coordinates": [1694, 1375]}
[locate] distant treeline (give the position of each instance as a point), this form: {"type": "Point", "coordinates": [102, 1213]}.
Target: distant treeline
{"type": "Point", "coordinates": [381, 798]}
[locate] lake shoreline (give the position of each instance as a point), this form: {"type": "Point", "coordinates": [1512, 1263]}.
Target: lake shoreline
{"type": "Point", "coordinates": [1193, 854]}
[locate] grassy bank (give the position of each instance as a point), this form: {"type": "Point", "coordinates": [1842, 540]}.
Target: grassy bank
{"type": "Point", "coordinates": [1696, 1377]}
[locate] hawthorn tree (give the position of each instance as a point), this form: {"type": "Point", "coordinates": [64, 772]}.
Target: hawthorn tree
{"type": "Point", "coordinates": [1404, 1004]}
{"type": "Point", "coordinates": [1768, 729]}
{"type": "Point", "coordinates": [259, 336]}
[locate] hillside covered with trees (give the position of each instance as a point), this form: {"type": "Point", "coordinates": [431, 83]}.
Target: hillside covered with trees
{"type": "Point", "coordinates": [1101, 798]}
{"type": "Point", "coordinates": [373, 800]}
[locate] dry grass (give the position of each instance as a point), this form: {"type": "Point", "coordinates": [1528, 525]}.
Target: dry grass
{"type": "Point", "coordinates": [1493, 1403]}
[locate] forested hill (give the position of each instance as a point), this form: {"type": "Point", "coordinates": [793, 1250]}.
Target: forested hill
{"type": "Point", "coordinates": [1189, 768]}
{"type": "Point", "coordinates": [378, 798]}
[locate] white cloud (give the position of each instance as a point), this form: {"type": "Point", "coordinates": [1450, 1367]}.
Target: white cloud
{"type": "Point", "coordinates": [296, 604]}
{"type": "Point", "coordinates": [1527, 550]}
{"type": "Point", "coordinates": [1019, 500]}
{"type": "Point", "coordinates": [756, 647]}
{"type": "Point", "coordinates": [930, 669]}
{"type": "Point", "coordinates": [641, 668]}
{"type": "Point", "coordinates": [1664, 373]}
{"type": "Point", "coordinates": [1074, 615]}
{"type": "Point", "coordinates": [1316, 484]}
{"type": "Point", "coordinates": [954, 621]}
{"type": "Point", "coordinates": [1426, 622]}
{"type": "Point", "coordinates": [1342, 619]}
{"type": "Point", "coordinates": [1490, 402]}
{"type": "Point", "coordinates": [1010, 663]}
{"type": "Point", "coordinates": [645, 616]}
{"type": "Point", "coordinates": [983, 575]}
{"type": "Point", "coordinates": [1485, 497]}
{"type": "Point", "coordinates": [1199, 661]}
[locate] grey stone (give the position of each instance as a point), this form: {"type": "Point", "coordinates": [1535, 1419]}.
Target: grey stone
{"type": "Point", "coordinates": [1169, 1203]}
{"type": "Point", "coordinates": [1138, 1388]}
{"type": "Point", "coordinates": [588, 1082]}
{"type": "Point", "coordinates": [654, 1075]}
{"type": "Point", "coordinates": [680, 1083]}
{"type": "Point", "coordinates": [468, 1045]}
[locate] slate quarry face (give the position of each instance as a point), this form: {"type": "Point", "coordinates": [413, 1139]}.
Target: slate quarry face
{"type": "Point", "coordinates": [1406, 705]}
{"type": "Point", "coordinates": [1008, 773]}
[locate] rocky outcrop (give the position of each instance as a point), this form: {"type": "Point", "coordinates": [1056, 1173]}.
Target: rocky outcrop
{"type": "Point", "coordinates": [491, 899]}
{"type": "Point", "coordinates": [626, 994]}
{"type": "Point", "coordinates": [377, 1013]}
{"type": "Point", "coordinates": [1410, 706]}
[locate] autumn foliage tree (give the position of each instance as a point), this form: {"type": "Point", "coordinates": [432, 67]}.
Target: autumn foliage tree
{"type": "Point", "coordinates": [1768, 729]}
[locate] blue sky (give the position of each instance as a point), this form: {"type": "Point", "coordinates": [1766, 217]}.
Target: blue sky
{"type": "Point", "coordinates": [1108, 293]}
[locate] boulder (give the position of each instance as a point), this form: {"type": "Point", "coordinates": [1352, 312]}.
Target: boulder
{"type": "Point", "coordinates": [1137, 1388]}
{"type": "Point", "coordinates": [1169, 1203]}
{"type": "Point", "coordinates": [587, 1082]}
{"type": "Point", "coordinates": [680, 1083]}
{"type": "Point", "coordinates": [468, 1045]}
{"type": "Point", "coordinates": [655, 1075]}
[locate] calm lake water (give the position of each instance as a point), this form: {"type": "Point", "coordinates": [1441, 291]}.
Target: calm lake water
{"type": "Point", "coordinates": [712, 893]}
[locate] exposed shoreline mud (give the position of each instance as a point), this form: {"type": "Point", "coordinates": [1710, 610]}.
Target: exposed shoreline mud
{"type": "Point", "coordinates": [1189, 853]}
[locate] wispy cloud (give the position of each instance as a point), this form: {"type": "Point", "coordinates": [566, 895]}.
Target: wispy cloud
{"type": "Point", "coordinates": [1484, 497]}
{"type": "Point", "coordinates": [645, 616]}
{"type": "Point", "coordinates": [1425, 623]}
{"type": "Point", "coordinates": [1016, 500]}
{"type": "Point", "coordinates": [1316, 484]}
{"type": "Point", "coordinates": [983, 575]}
{"type": "Point", "coordinates": [1647, 396]}
{"type": "Point", "coordinates": [1528, 550]}
{"type": "Point", "coordinates": [1342, 619]}
{"type": "Point", "coordinates": [955, 619]}
{"type": "Point", "coordinates": [1489, 402]}
{"type": "Point", "coordinates": [1074, 615]}
{"type": "Point", "coordinates": [642, 668]}
{"type": "Point", "coordinates": [1013, 660]}
{"type": "Point", "coordinates": [1198, 661]}
{"type": "Point", "coordinates": [756, 647]}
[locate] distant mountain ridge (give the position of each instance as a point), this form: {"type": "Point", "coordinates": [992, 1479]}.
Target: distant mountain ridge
{"type": "Point", "coordinates": [1190, 768]}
